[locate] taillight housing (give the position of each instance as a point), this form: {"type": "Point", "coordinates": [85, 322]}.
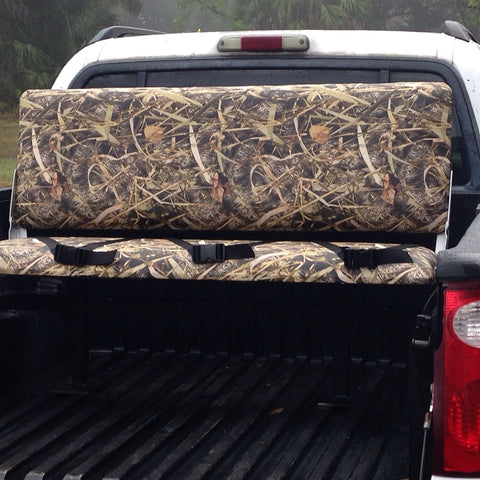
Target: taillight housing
{"type": "Point", "coordinates": [456, 413]}
{"type": "Point", "coordinates": [292, 42]}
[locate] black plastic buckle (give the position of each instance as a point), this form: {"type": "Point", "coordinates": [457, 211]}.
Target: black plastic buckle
{"type": "Point", "coordinates": [359, 257]}
{"type": "Point", "coordinates": [69, 255]}
{"type": "Point", "coordinates": [208, 253]}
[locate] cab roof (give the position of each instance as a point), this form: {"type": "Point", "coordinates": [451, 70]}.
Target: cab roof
{"type": "Point", "coordinates": [321, 43]}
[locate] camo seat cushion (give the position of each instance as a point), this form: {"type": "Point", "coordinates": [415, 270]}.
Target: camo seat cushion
{"type": "Point", "coordinates": [302, 159]}
{"type": "Point", "coordinates": [281, 261]}
{"type": "Point", "coordinates": [287, 158]}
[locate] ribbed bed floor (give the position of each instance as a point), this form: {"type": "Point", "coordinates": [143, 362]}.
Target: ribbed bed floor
{"type": "Point", "coordinates": [193, 417]}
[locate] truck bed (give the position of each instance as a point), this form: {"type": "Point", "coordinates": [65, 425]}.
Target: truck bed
{"type": "Point", "coordinates": [187, 416]}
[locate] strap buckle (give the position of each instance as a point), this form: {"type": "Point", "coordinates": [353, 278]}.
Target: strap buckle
{"type": "Point", "coordinates": [359, 257]}
{"type": "Point", "coordinates": [208, 253]}
{"type": "Point", "coordinates": [70, 255]}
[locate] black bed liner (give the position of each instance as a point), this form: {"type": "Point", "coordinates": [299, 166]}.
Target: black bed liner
{"type": "Point", "coordinates": [210, 417]}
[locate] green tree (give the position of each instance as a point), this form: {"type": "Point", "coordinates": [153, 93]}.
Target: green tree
{"type": "Point", "coordinates": [271, 14]}
{"type": "Point", "coordinates": [428, 15]}
{"type": "Point", "coordinates": [422, 15]}
{"type": "Point", "coordinates": [38, 36]}
{"type": "Point", "coordinates": [220, 14]}
{"type": "Point", "coordinates": [474, 18]}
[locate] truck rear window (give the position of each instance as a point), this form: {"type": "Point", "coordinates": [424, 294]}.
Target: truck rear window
{"type": "Point", "coordinates": [181, 76]}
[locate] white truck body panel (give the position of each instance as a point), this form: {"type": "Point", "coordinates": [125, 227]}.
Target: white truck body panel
{"type": "Point", "coordinates": [461, 55]}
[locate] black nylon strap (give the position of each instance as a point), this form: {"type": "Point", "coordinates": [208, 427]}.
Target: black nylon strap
{"type": "Point", "coordinates": [354, 257]}
{"type": "Point", "coordinates": [200, 253]}
{"type": "Point", "coordinates": [80, 256]}
{"type": "Point", "coordinates": [215, 252]}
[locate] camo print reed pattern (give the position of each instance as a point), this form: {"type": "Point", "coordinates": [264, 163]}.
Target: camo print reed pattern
{"type": "Point", "coordinates": [281, 261]}
{"type": "Point", "coordinates": [320, 157]}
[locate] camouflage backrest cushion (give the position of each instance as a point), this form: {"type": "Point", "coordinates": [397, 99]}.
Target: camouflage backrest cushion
{"type": "Point", "coordinates": [364, 157]}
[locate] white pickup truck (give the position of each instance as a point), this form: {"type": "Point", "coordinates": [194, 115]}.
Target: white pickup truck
{"type": "Point", "coordinates": [301, 345]}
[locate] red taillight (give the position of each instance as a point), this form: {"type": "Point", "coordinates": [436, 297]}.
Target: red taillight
{"type": "Point", "coordinates": [463, 417]}
{"type": "Point", "coordinates": [457, 383]}
{"type": "Point", "coordinates": [255, 44]}
{"type": "Point", "coordinates": [263, 43]}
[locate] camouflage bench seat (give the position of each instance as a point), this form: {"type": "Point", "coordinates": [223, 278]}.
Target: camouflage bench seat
{"type": "Point", "coordinates": [134, 171]}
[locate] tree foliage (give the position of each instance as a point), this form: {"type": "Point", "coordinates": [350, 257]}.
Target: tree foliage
{"type": "Point", "coordinates": [38, 36]}
{"type": "Point", "coordinates": [423, 15]}
{"type": "Point", "coordinates": [303, 13]}
{"type": "Point", "coordinates": [271, 14]}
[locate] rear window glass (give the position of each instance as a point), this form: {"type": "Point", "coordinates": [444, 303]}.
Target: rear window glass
{"type": "Point", "coordinates": [105, 80]}
{"type": "Point", "coordinates": [279, 76]}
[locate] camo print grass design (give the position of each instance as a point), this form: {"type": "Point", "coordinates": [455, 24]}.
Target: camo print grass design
{"type": "Point", "coordinates": [161, 259]}
{"type": "Point", "coordinates": [323, 157]}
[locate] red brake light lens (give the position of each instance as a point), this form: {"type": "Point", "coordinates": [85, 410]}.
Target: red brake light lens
{"type": "Point", "coordinates": [254, 44]}
{"type": "Point", "coordinates": [463, 419]}
{"type": "Point", "coordinates": [457, 382]}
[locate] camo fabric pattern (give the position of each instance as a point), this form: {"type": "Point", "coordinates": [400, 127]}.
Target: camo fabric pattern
{"type": "Point", "coordinates": [282, 261]}
{"type": "Point", "coordinates": [291, 158]}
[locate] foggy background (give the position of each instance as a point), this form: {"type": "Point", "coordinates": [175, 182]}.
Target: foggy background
{"type": "Point", "coordinates": [37, 37]}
